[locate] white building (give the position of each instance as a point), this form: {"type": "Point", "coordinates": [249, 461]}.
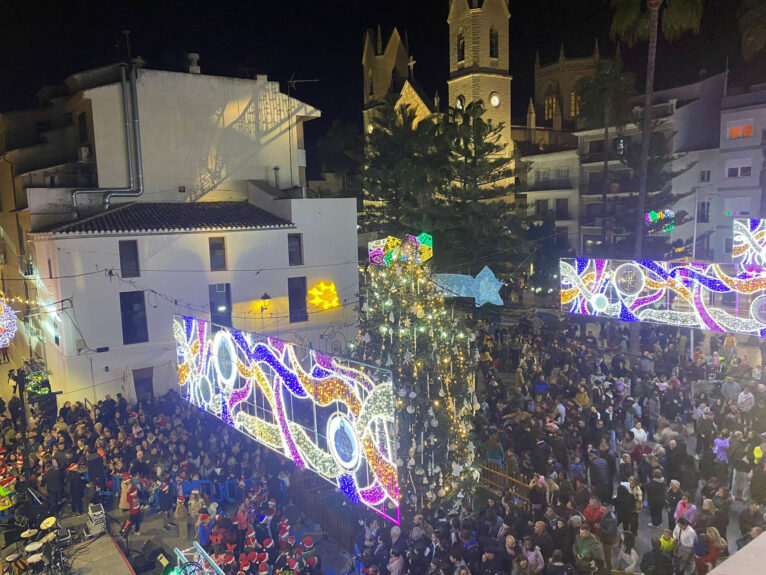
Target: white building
{"type": "Point", "coordinates": [698, 118]}
{"type": "Point", "coordinates": [728, 178]}
{"type": "Point", "coordinates": [212, 221]}
{"type": "Point", "coordinates": [121, 276]}
{"type": "Point", "coordinates": [552, 191]}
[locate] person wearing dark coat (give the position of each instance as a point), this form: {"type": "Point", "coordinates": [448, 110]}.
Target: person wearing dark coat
{"type": "Point", "coordinates": [675, 457]}
{"type": "Point", "coordinates": [165, 500]}
{"type": "Point", "coordinates": [600, 481]}
{"type": "Point", "coordinates": [52, 481]}
{"type": "Point", "coordinates": [655, 495]}
{"type": "Point", "coordinates": [656, 561]}
{"type": "Point", "coordinates": [624, 504]}
{"type": "Point", "coordinates": [75, 483]}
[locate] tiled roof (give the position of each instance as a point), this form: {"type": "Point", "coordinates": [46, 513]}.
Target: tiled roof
{"type": "Point", "coordinates": [169, 216]}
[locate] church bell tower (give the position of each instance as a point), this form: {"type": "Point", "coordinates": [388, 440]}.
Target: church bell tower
{"type": "Point", "coordinates": [479, 59]}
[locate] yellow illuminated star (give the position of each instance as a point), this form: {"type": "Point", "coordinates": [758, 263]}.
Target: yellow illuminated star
{"type": "Point", "coordinates": [324, 295]}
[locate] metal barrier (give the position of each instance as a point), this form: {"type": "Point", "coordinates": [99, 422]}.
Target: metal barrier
{"type": "Point", "coordinates": [494, 478]}
{"type": "Point", "coordinates": [304, 490]}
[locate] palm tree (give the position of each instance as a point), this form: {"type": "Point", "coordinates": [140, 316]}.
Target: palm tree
{"type": "Point", "coordinates": [752, 26]}
{"type": "Point", "coordinates": [637, 20]}
{"type": "Point", "coordinates": [605, 101]}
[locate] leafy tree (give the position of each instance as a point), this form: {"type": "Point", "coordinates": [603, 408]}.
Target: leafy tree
{"type": "Point", "coordinates": [476, 215]}
{"type": "Point", "coordinates": [400, 172]}
{"type": "Point", "coordinates": [605, 102]}
{"type": "Point", "coordinates": [445, 176]}
{"type": "Point", "coordinates": [636, 20]}
{"type": "Point", "coordinates": [752, 26]}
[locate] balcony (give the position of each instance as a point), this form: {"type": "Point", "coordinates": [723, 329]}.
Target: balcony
{"type": "Point", "coordinates": [597, 157]}
{"type": "Point", "coordinates": [551, 184]}
{"type": "Point", "coordinates": [619, 183]}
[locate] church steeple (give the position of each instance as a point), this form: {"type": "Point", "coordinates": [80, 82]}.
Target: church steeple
{"type": "Point", "coordinates": [537, 58]}
{"type": "Point", "coordinates": [379, 45]}
{"type": "Point", "coordinates": [596, 54]}
{"type": "Point", "coordinates": [562, 57]}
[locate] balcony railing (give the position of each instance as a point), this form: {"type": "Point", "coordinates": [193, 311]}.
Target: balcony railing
{"type": "Point", "coordinates": [617, 185]}
{"type": "Point", "coordinates": [551, 184]}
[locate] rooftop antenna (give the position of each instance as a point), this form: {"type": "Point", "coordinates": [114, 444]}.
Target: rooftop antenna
{"type": "Point", "coordinates": [292, 84]}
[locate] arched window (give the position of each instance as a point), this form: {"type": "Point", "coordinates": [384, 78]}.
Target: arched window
{"type": "Point", "coordinates": [460, 48]}
{"type": "Point", "coordinates": [493, 43]}
{"type": "Point", "coordinates": [574, 104]}
{"type": "Point", "coordinates": [551, 103]}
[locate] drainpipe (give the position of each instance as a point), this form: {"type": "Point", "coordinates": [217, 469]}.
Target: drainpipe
{"type": "Point", "coordinates": [139, 189]}
{"type": "Point", "coordinates": [131, 188]}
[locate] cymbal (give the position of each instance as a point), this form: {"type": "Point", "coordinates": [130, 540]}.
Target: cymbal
{"type": "Point", "coordinates": [48, 523]}
{"type": "Point", "coordinates": [50, 538]}
{"type": "Point", "coordinates": [29, 533]}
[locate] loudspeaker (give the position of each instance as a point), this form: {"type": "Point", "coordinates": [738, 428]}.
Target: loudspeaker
{"type": "Point", "coordinates": [96, 470]}
{"type": "Point", "coordinates": [150, 550]}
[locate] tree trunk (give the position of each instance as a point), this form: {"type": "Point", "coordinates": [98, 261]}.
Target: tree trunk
{"type": "Point", "coordinates": [607, 119]}
{"type": "Point", "coordinates": [654, 16]}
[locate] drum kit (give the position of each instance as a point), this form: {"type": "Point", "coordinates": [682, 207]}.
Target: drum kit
{"type": "Point", "coordinates": [42, 552]}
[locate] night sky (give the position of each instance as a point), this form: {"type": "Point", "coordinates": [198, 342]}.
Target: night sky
{"type": "Point", "coordinates": [43, 41]}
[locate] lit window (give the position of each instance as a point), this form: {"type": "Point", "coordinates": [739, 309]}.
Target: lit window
{"type": "Point", "coordinates": [220, 304]}
{"type": "Point", "coordinates": [460, 102]}
{"type": "Point", "coordinates": [740, 129]}
{"type": "Point", "coordinates": [574, 104]}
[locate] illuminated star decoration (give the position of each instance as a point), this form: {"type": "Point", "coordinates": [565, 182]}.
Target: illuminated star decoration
{"type": "Point", "coordinates": [483, 289]}
{"type": "Point", "coordinates": [286, 396]}
{"type": "Point", "coordinates": [7, 324]}
{"type": "Point", "coordinates": [324, 295]}
{"type": "Point", "coordinates": [388, 250]}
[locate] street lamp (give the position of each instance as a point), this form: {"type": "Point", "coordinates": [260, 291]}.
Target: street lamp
{"type": "Point", "coordinates": [265, 304]}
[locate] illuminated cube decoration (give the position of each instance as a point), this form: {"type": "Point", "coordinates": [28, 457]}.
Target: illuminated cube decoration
{"type": "Point", "coordinates": [385, 251]}
{"type": "Point", "coordinates": [332, 416]}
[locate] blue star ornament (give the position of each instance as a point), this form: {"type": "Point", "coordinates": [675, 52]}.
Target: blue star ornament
{"type": "Point", "coordinates": [483, 288]}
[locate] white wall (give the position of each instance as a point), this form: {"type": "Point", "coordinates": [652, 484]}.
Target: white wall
{"type": "Point", "coordinates": [206, 133]}
{"type": "Point", "coordinates": [329, 242]}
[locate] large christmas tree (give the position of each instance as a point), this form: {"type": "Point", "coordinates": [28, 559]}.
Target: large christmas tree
{"type": "Point", "coordinates": [406, 326]}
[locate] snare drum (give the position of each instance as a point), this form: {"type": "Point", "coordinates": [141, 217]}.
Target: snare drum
{"type": "Point", "coordinates": [36, 564]}
{"type": "Point", "coordinates": [33, 548]}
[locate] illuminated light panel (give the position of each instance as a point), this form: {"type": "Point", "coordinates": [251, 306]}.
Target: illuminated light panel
{"type": "Point", "coordinates": [324, 295]}
{"type": "Point", "coordinates": [330, 415]}
{"type": "Point", "coordinates": [749, 243]}
{"type": "Point", "coordinates": [7, 324]}
{"type": "Point", "coordinates": [669, 293]}
{"type": "Point", "coordinates": [384, 252]}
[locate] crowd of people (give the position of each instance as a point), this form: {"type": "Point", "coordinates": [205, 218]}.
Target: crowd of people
{"type": "Point", "coordinates": [598, 443]}
{"type": "Point", "coordinates": [151, 450]}
{"type": "Point", "coordinates": [603, 449]}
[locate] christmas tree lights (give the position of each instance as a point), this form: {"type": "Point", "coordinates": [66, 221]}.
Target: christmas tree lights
{"type": "Point", "coordinates": [406, 326]}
